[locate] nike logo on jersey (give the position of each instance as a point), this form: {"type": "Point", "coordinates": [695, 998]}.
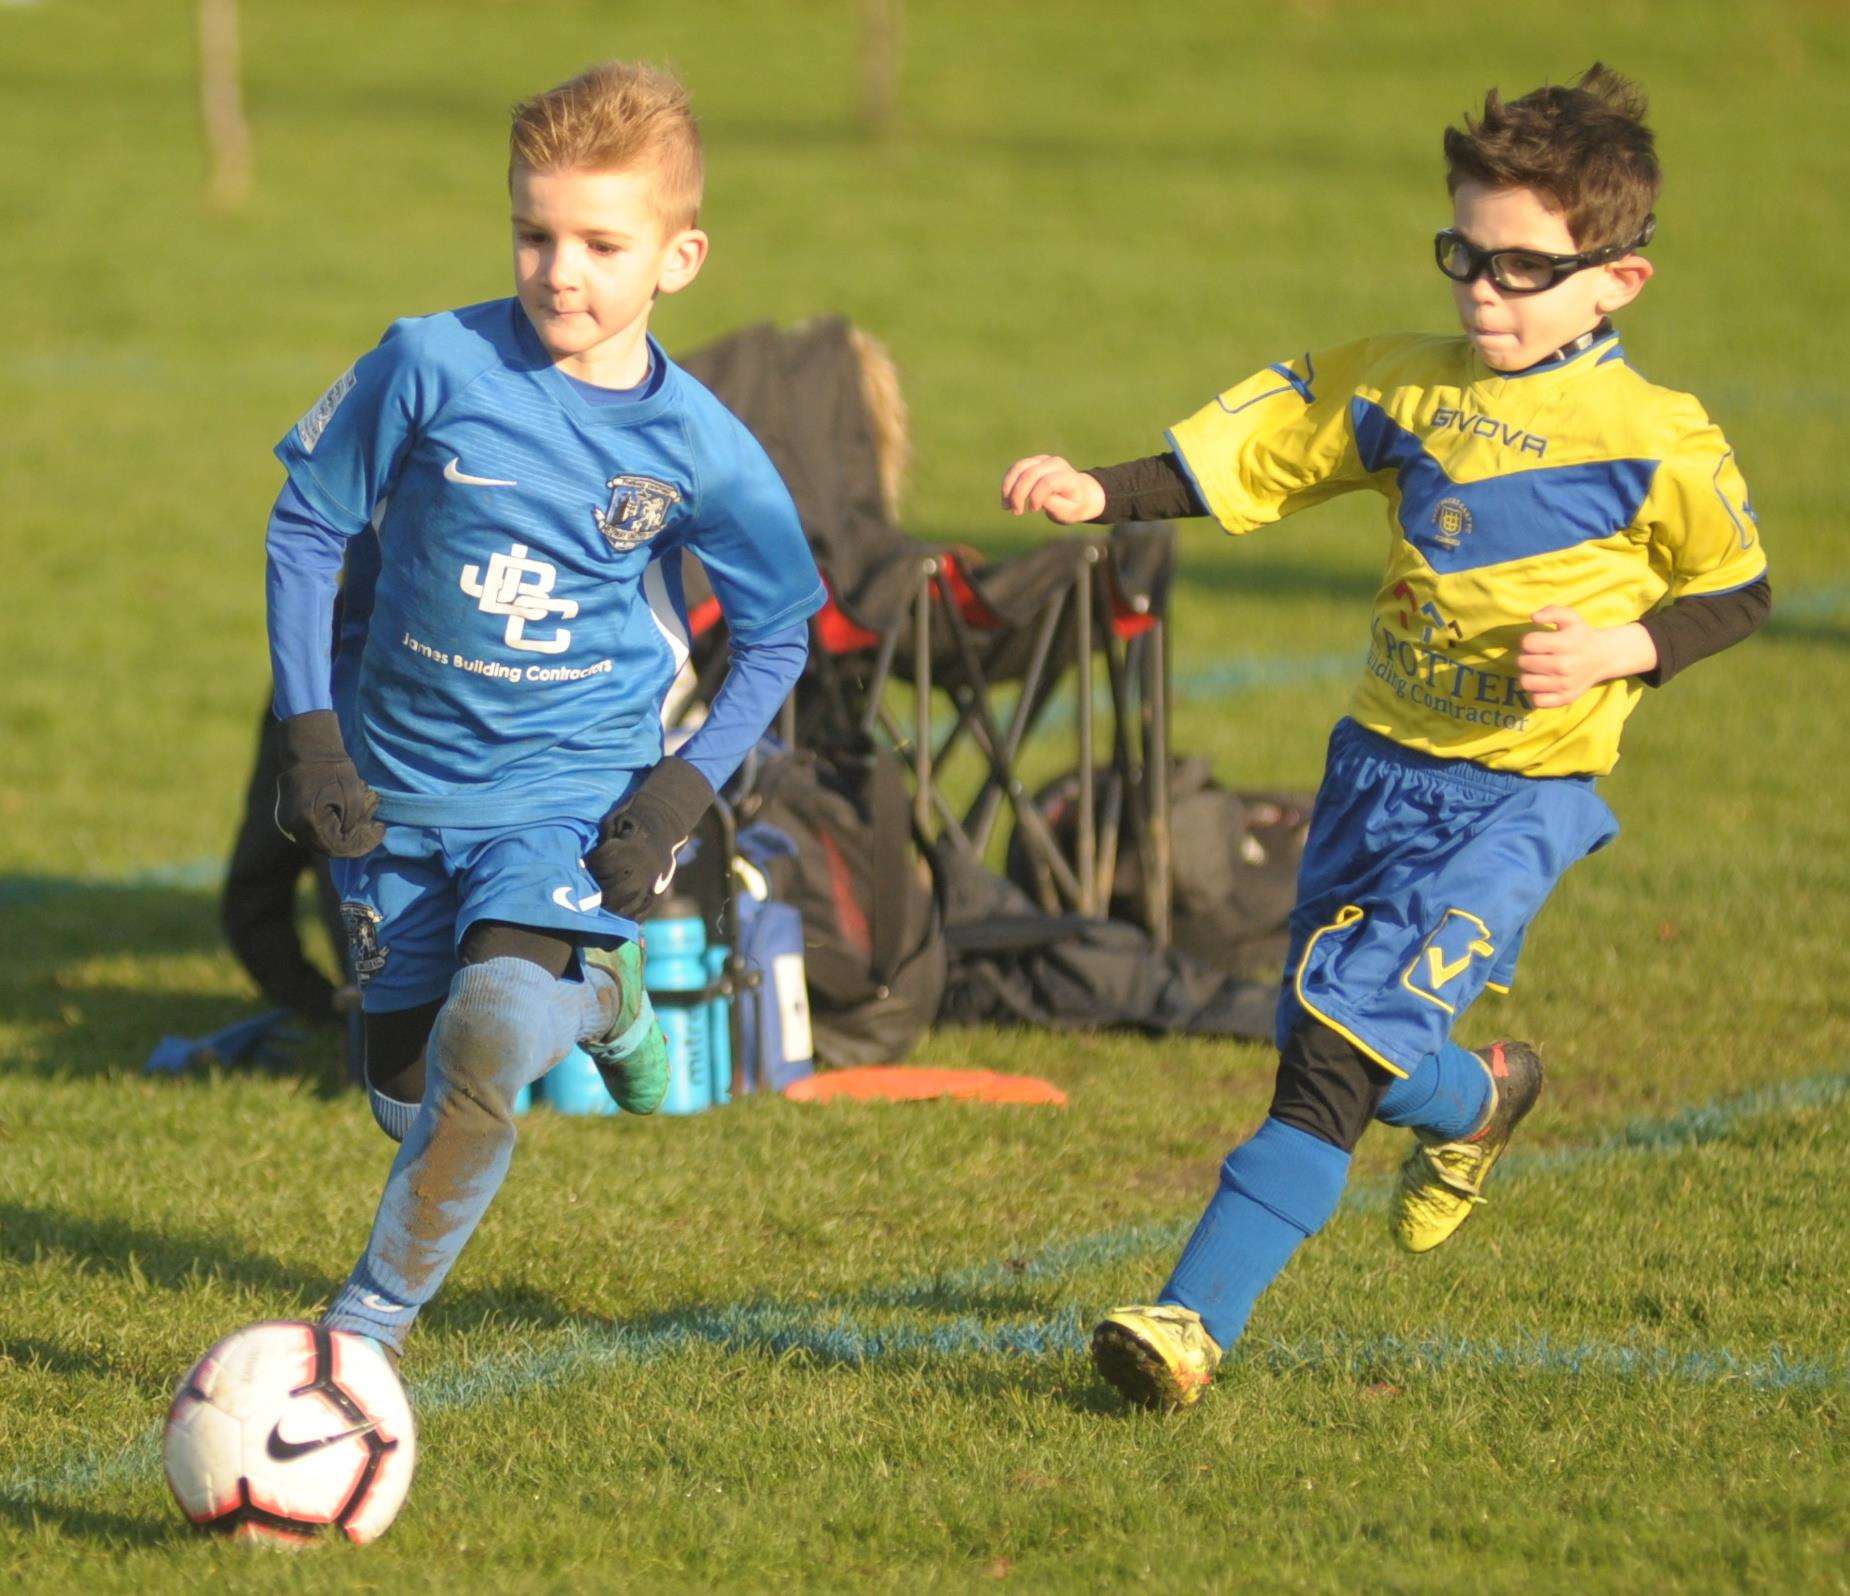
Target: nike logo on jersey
{"type": "Point", "coordinates": [453, 472]}
{"type": "Point", "coordinates": [287, 1451]}
{"type": "Point", "coordinates": [563, 897]}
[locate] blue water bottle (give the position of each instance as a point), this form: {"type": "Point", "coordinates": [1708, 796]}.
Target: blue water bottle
{"type": "Point", "coordinates": [574, 1086]}
{"type": "Point", "coordinates": [674, 968]}
{"type": "Point", "coordinates": [719, 1028]}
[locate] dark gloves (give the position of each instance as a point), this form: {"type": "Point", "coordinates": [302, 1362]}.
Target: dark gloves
{"type": "Point", "coordinates": [635, 860]}
{"type": "Point", "coordinates": [321, 802]}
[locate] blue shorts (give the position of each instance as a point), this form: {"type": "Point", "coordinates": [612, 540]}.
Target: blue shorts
{"type": "Point", "coordinates": [1419, 880]}
{"type": "Point", "coordinates": [408, 904]}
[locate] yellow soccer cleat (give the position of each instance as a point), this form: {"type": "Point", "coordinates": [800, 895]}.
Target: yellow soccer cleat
{"type": "Point", "coordinates": [1441, 1182]}
{"type": "Point", "coordinates": [1157, 1357]}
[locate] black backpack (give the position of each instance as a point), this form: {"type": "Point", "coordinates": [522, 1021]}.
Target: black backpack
{"type": "Point", "coordinates": [1236, 860]}
{"type": "Point", "coordinates": [873, 948]}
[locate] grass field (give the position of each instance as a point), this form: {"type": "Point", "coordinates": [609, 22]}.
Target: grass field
{"type": "Point", "coordinates": [844, 1348]}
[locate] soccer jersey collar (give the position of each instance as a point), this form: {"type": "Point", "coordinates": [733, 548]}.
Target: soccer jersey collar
{"type": "Point", "coordinates": [1590, 349]}
{"type": "Point", "coordinates": [576, 404]}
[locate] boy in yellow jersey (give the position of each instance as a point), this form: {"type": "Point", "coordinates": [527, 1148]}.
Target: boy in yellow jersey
{"type": "Point", "coordinates": [1563, 533]}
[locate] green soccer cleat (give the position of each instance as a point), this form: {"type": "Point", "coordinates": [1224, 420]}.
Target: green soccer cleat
{"type": "Point", "coordinates": [1441, 1182]}
{"type": "Point", "coordinates": [633, 1055]}
{"type": "Point", "coordinates": [1157, 1357]}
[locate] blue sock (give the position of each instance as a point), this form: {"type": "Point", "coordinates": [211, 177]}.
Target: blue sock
{"type": "Point", "coordinates": [1275, 1190]}
{"type": "Point", "coordinates": [1448, 1094]}
{"type": "Point", "coordinates": [505, 1023]}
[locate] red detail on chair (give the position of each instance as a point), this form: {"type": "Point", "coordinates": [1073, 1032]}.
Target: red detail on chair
{"type": "Point", "coordinates": [839, 635]}
{"type": "Point", "coordinates": [1127, 620]}
{"type": "Point", "coordinates": [970, 603]}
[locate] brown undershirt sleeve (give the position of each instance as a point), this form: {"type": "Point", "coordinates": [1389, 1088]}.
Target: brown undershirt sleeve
{"type": "Point", "coordinates": [1155, 488]}
{"type": "Point", "coordinates": [1694, 628]}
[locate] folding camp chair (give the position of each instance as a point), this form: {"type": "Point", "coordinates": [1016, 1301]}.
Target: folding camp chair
{"type": "Point", "coordinates": [823, 401]}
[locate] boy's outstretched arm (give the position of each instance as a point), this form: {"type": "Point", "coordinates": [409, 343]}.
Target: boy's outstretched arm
{"type": "Point", "coordinates": [750, 543]}
{"type": "Point", "coordinates": [321, 801]}
{"type": "Point", "coordinates": [1154, 488]}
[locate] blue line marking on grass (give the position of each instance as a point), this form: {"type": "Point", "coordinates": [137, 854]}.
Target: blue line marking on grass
{"type": "Point", "coordinates": [829, 1332]}
{"type": "Point", "coordinates": [194, 875]}
{"type": "Point", "coordinates": [1688, 1127]}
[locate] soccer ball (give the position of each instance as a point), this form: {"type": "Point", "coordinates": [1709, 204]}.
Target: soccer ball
{"type": "Point", "coordinates": [285, 1432]}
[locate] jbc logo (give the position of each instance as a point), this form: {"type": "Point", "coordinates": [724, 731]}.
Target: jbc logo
{"type": "Point", "coordinates": [521, 589]}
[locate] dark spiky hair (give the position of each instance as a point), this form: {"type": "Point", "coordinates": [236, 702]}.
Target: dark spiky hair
{"type": "Point", "coordinates": [1583, 147]}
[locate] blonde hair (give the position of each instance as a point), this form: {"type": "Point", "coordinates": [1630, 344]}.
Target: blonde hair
{"type": "Point", "coordinates": [616, 117]}
{"type": "Point", "coordinates": [886, 414]}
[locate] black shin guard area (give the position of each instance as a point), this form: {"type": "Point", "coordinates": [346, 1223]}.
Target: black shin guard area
{"type": "Point", "coordinates": [495, 939]}
{"type": "Point", "coordinates": [1327, 1087]}
{"type": "Point", "coordinates": [395, 1051]}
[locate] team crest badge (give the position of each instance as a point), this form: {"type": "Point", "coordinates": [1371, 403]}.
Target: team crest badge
{"type": "Point", "coordinates": [1453, 521]}
{"type": "Point", "coordinates": [365, 952]}
{"type": "Point", "coordinates": [638, 509]}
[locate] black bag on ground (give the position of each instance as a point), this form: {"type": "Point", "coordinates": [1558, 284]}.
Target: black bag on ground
{"type": "Point", "coordinates": [1236, 866]}
{"type": "Point", "coordinates": [873, 948]}
{"type": "Point", "coordinates": [1013, 964]}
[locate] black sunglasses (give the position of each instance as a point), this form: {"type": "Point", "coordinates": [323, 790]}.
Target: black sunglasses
{"type": "Point", "coordinates": [1524, 271]}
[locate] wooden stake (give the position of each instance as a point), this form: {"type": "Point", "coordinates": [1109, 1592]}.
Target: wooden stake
{"type": "Point", "coordinates": [221, 105]}
{"type": "Point", "coordinates": [880, 42]}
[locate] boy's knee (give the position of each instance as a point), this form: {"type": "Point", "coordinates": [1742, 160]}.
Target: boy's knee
{"type": "Point", "coordinates": [485, 1045]}
{"type": "Point", "coordinates": [1327, 1087]}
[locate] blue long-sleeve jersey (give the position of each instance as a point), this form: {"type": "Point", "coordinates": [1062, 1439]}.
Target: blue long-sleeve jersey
{"type": "Point", "coordinates": [513, 622]}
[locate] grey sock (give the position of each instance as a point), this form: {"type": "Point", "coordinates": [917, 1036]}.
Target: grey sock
{"type": "Point", "coordinates": [394, 1117]}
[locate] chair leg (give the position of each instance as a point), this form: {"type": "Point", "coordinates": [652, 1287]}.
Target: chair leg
{"type": "Point", "coordinates": [983, 728]}
{"type": "Point", "coordinates": [1160, 887]}
{"type": "Point", "coordinates": [1086, 840]}
{"type": "Point", "coordinates": [982, 815]}
{"type": "Point", "coordinates": [921, 688]}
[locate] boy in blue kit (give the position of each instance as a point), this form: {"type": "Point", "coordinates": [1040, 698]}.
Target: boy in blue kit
{"type": "Point", "coordinates": [511, 487]}
{"type": "Point", "coordinates": [1562, 533]}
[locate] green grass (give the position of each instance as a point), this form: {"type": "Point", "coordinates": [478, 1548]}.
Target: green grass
{"type": "Point", "coordinates": [778, 1345]}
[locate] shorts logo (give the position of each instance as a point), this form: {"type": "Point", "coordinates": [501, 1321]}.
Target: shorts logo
{"type": "Point", "coordinates": [365, 952]}
{"type": "Point", "coordinates": [1453, 521]}
{"type": "Point", "coordinates": [563, 897]}
{"type": "Point", "coordinates": [521, 589]}
{"type": "Point", "coordinates": [1456, 944]}
{"type": "Point", "coordinates": [638, 509]}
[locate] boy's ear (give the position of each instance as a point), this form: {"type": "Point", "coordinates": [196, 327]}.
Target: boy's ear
{"type": "Point", "coordinates": [687, 253]}
{"type": "Point", "coordinates": [1625, 280]}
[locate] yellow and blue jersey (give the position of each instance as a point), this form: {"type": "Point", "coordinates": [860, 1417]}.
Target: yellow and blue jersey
{"type": "Point", "coordinates": [1572, 482]}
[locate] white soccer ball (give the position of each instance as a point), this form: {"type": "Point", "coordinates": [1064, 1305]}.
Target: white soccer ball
{"type": "Point", "coordinates": [286, 1432]}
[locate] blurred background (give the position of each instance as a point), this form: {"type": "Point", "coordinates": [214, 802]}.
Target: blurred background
{"type": "Point", "coordinates": [1070, 222]}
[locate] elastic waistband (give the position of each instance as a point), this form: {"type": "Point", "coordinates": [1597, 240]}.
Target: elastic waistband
{"type": "Point", "coordinates": [1352, 738]}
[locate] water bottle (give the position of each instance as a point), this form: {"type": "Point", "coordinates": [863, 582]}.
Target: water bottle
{"type": "Point", "coordinates": [719, 1028]}
{"type": "Point", "coordinates": [674, 968]}
{"type": "Point", "coordinates": [574, 1086]}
